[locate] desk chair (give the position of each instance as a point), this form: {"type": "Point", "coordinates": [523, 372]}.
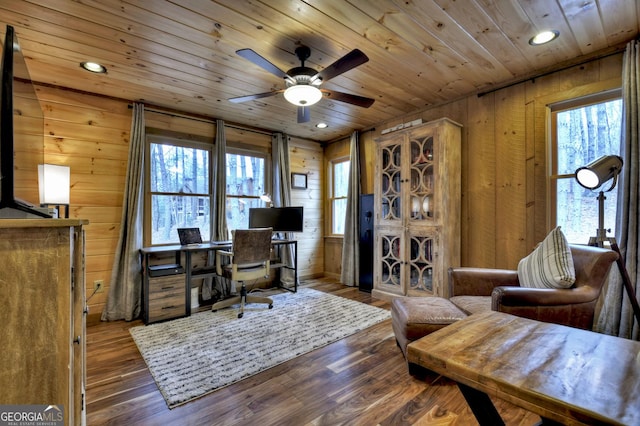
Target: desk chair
{"type": "Point", "coordinates": [249, 259]}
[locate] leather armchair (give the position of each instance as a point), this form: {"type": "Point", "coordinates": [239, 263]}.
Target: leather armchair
{"type": "Point", "coordinates": [475, 289]}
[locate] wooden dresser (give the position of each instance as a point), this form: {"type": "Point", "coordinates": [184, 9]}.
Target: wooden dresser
{"type": "Point", "coordinates": [42, 288]}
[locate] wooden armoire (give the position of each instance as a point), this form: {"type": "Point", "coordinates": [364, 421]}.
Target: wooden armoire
{"type": "Point", "coordinates": [417, 209]}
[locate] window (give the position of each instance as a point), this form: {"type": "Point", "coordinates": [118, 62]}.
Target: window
{"type": "Point", "coordinates": [246, 177]}
{"type": "Point", "coordinates": [179, 193]}
{"type": "Point", "coordinates": [339, 178]}
{"type": "Point", "coordinates": [583, 130]}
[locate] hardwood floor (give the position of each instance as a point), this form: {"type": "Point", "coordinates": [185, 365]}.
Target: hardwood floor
{"type": "Point", "coordinates": [360, 380]}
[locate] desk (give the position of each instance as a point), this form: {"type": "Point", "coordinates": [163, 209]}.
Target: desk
{"type": "Point", "coordinates": [169, 296]}
{"type": "Point", "coordinates": [561, 373]}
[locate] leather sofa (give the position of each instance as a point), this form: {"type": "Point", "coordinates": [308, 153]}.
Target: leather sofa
{"type": "Point", "coordinates": [478, 289]}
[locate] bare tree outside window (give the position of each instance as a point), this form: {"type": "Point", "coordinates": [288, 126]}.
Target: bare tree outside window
{"type": "Point", "coordinates": [339, 188]}
{"type": "Point", "coordinates": [179, 191]}
{"type": "Point", "coordinates": [245, 184]}
{"type": "Point", "coordinates": [585, 134]}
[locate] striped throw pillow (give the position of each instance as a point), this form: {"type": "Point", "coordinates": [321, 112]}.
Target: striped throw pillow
{"type": "Point", "coordinates": [550, 265]}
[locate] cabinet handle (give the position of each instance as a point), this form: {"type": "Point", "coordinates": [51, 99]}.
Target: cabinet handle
{"type": "Point", "coordinates": [77, 340]}
{"type": "Point", "coordinates": [168, 307]}
{"type": "Point", "coordinates": [169, 287]}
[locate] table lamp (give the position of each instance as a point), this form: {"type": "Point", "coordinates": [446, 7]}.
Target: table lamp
{"type": "Point", "coordinates": [54, 186]}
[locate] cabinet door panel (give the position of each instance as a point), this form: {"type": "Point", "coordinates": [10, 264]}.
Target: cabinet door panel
{"type": "Point", "coordinates": [422, 264]}
{"type": "Point", "coordinates": [390, 268]}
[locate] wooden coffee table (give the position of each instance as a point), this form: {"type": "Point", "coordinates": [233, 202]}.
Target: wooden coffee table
{"type": "Point", "coordinates": [561, 373]}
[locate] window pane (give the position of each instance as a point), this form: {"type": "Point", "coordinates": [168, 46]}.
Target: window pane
{"type": "Point", "coordinates": [179, 169]}
{"type": "Point", "coordinates": [585, 134]}
{"type": "Point", "coordinates": [238, 211]}
{"type": "Point", "coordinates": [170, 212]}
{"type": "Point", "coordinates": [339, 213]}
{"type": "Point", "coordinates": [245, 184]}
{"type": "Point", "coordinates": [245, 175]}
{"type": "Point", "coordinates": [340, 179]}
{"type": "Point", "coordinates": [578, 211]}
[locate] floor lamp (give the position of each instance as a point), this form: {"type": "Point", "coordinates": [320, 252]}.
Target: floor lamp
{"type": "Point", "coordinates": [592, 176]}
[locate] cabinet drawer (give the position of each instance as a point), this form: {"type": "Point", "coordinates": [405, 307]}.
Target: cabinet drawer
{"type": "Point", "coordinates": [166, 298]}
{"type": "Point", "coordinates": [162, 311]}
{"type": "Point", "coordinates": [170, 283]}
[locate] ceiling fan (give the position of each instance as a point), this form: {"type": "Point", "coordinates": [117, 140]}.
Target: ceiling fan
{"type": "Point", "coordinates": [303, 83]}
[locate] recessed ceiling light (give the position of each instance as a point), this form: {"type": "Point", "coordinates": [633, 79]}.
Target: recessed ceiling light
{"type": "Point", "coordinates": [322, 125]}
{"type": "Point", "coordinates": [544, 37]}
{"type": "Point", "coordinates": [94, 67]}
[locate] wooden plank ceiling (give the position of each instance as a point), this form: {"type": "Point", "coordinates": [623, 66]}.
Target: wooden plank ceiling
{"type": "Point", "coordinates": [180, 54]}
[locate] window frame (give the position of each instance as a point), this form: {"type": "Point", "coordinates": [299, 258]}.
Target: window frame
{"type": "Point", "coordinates": [553, 176]}
{"type": "Point", "coordinates": [266, 156]}
{"type": "Point", "coordinates": [331, 198]}
{"type": "Point", "coordinates": [155, 137]}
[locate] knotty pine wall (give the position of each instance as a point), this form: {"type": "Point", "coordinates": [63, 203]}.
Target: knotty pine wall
{"type": "Point", "coordinates": [90, 134]}
{"type": "Point", "coordinates": [504, 160]}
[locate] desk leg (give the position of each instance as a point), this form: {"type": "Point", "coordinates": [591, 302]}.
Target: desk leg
{"type": "Point", "coordinates": [295, 267]}
{"type": "Point", "coordinates": [482, 406]}
{"type": "Point", "coordinates": [187, 284]}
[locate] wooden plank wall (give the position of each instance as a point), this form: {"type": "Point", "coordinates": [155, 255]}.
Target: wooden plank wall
{"type": "Point", "coordinates": [504, 160]}
{"type": "Point", "coordinates": [91, 135]}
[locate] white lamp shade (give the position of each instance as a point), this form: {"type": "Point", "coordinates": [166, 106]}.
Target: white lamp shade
{"type": "Point", "coordinates": [303, 95]}
{"type": "Point", "coordinates": [54, 183]}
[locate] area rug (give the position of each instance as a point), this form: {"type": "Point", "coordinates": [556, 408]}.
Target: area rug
{"type": "Point", "coordinates": [193, 356]}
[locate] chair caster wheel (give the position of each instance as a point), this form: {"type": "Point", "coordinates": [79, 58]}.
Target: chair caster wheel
{"type": "Point", "coordinates": [270, 306]}
{"type": "Point", "coordinates": [240, 315]}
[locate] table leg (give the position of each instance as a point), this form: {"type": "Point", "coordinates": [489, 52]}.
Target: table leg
{"type": "Point", "coordinates": [481, 406]}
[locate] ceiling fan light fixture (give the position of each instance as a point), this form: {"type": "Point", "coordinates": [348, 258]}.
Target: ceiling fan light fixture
{"type": "Point", "coordinates": [303, 95]}
{"type": "Point", "coordinates": [544, 37]}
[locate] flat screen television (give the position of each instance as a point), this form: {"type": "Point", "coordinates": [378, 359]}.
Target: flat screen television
{"type": "Point", "coordinates": [281, 219]}
{"type": "Point", "coordinates": [13, 67]}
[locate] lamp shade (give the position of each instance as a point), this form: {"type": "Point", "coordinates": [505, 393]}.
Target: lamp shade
{"type": "Point", "coordinates": [54, 183]}
{"type": "Point", "coordinates": [594, 174]}
{"type": "Point", "coordinates": [303, 95]}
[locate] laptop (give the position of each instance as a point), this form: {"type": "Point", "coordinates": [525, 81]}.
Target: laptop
{"type": "Point", "coordinates": [189, 236]}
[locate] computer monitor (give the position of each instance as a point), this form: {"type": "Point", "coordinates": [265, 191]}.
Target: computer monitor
{"type": "Point", "coordinates": [281, 219]}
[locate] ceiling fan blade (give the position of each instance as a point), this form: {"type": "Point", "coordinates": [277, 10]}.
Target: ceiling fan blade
{"type": "Point", "coordinates": [254, 97]}
{"type": "Point", "coordinates": [360, 101]}
{"type": "Point", "coordinates": [304, 114]}
{"type": "Point", "coordinates": [261, 62]}
{"type": "Point", "coordinates": [344, 64]}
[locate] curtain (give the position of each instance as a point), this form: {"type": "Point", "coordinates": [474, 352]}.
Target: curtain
{"type": "Point", "coordinates": [350, 253]}
{"type": "Point", "coordinates": [219, 229]}
{"type": "Point", "coordinates": [616, 317]}
{"type": "Point", "coordinates": [125, 290]}
{"type": "Point", "coordinates": [281, 196]}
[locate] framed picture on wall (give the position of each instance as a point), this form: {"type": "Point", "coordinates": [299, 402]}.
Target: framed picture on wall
{"type": "Point", "coordinates": [298, 181]}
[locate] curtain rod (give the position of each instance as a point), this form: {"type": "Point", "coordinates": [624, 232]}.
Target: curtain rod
{"type": "Point", "coordinates": [198, 117]}
{"type": "Point", "coordinates": [603, 54]}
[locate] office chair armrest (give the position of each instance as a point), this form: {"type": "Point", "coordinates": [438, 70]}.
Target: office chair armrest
{"type": "Point", "coordinates": [219, 255]}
